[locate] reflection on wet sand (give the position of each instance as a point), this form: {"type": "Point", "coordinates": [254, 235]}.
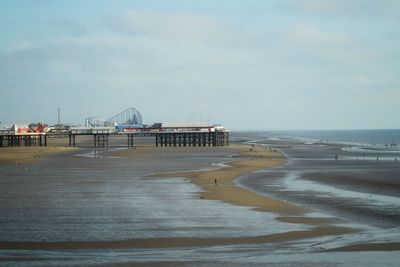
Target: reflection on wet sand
{"type": "Point", "coordinates": [144, 199]}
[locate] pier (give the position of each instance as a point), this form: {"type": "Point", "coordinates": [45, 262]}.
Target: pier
{"type": "Point", "coordinates": [192, 139]}
{"type": "Point", "coordinates": [127, 124]}
{"type": "Point", "coordinates": [101, 139]}
{"type": "Point", "coordinates": [30, 139]}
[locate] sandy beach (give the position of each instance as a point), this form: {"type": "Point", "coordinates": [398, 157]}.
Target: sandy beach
{"type": "Point", "coordinates": [25, 155]}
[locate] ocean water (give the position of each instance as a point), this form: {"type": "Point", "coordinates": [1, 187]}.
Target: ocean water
{"type": "Point", "coordinates": [366, 137]}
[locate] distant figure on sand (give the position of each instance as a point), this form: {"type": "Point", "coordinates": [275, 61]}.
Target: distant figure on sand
{"type": "Point", "coordinates": [216, 182]}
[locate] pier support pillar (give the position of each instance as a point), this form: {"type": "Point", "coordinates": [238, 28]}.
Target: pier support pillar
{"type": "Point", "coordinates": [130, 140]}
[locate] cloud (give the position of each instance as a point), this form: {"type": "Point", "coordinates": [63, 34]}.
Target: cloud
{"type": "Point", "coordinates": [355, 8]}
{"type": "Point", "coordinates": [188, 26]}
{"type": "Point", "coordinates": [170, 65]}
{"type": "Point", "coordinates": [362, 80]}
{"type": "Point", "coordinates": [71, 28]}
{"type": "Point", "coordinates": [307, 33]}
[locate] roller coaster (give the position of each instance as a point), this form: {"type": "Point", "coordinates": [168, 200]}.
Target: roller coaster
{"type": "Point", "coordinates": [130, 116]}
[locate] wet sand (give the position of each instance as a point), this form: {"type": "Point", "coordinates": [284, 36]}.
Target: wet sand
{"type": "Point", "coordinates": [178, 241]}
{"type": "Point", "coordinates": [257, 158]}
{"type": "Point", "coordinates": [356, 188]}
{"type": "Point", "coordinates": [25, 155]}
{"type": "Point", "coordinates": [241, 163]}
{"type": "Point", "coordinates": [367, 247]}
{"type": "Point", "coordinates": [220, 185]}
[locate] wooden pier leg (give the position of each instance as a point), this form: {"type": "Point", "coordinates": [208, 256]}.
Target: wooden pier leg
{"type": "Point", "coordinates": [184, 139]}
{"type": "Point", "coordinates": [168, 139]}
{"type": "Point", "coordinates": [174, 136]}
{"type": "Point", "coordinates": [156, 139]}
{"type": "Point", "coordinates": [214, 139]}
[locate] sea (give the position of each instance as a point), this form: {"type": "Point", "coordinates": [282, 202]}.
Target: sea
{"type": "Point", "coordinates": [389, 137]}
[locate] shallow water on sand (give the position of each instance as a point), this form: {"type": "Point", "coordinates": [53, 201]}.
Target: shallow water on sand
{"type": "Point", "coordinates": [70, 198]}
{"type": "Point", "coordinates": [355, 187]}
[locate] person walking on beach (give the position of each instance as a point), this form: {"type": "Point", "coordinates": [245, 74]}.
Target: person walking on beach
{"type": "Point", "coordinates": [215, 181]}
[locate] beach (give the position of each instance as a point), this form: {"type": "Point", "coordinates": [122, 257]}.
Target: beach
{"type": "Point", "coordinates": [174, 205]}
{"type": "Point", "coordinates": [26, 155]}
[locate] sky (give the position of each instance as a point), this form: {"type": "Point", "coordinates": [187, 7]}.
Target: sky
{"type": "Point", "coordinates": [249, 65]}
